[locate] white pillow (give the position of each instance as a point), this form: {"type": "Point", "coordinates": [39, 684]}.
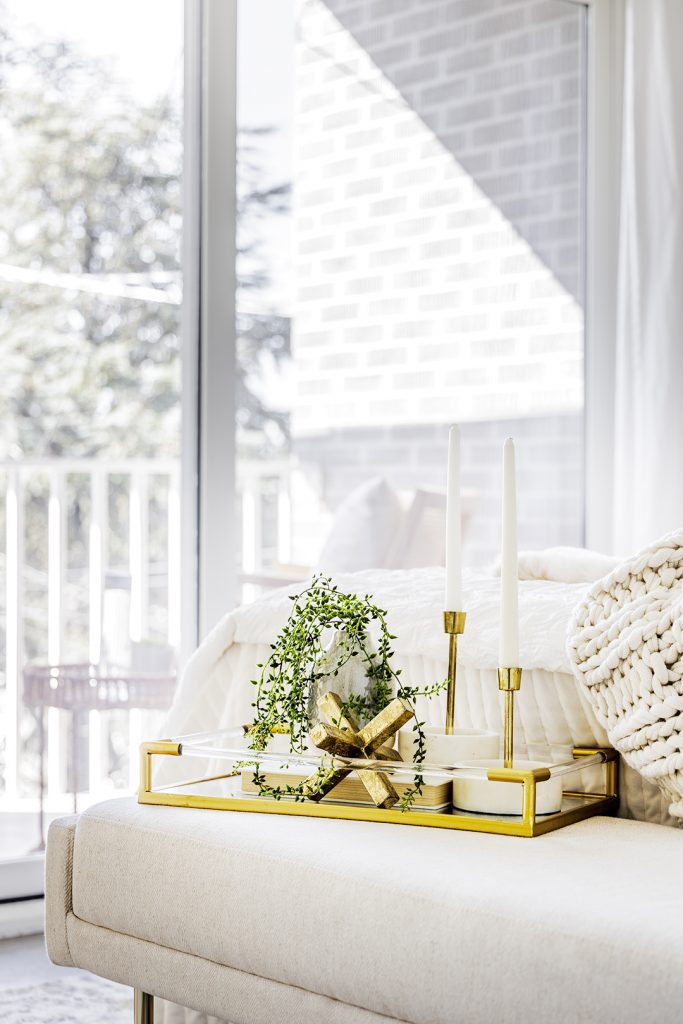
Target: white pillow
{"type": "Point", "coordinates": [363, 529]}
{"type": "Point", "coordinates": [562, 565]}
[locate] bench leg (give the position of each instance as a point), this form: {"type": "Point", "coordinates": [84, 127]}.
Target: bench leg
{"type": "Point", "coordinates": [143, 1008]}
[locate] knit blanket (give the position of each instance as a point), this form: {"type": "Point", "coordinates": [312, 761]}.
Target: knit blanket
{"type": "Point", "coordinates": [626, 648]}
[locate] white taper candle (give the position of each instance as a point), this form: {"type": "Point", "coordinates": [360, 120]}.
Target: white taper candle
{"type": "Point", "coordinates": [453, 526]}
{"type": "Point", "coordinates": [508, 652]}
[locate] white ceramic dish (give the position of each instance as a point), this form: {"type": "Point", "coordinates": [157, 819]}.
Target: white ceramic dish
{"type": "Point", "coordinates": [484, 797]}
{"type": "Point", "coordinates": [463, 745]}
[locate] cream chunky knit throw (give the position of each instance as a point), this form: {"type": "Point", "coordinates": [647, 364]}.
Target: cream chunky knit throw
{"type": "Point", "coordinates": [626, 648]}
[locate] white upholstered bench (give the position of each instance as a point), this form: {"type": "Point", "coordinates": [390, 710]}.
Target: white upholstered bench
{"type": "Point", "coordinates": [256, 919]}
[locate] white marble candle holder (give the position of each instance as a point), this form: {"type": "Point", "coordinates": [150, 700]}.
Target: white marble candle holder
{"type": "Point", "coordinates": [449, 750]}
{"type": "Point", "coordinates": [484, 797]}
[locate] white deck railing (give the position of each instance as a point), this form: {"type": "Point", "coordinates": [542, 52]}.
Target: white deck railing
{"type": "Point", "coordinates": [138, 482]}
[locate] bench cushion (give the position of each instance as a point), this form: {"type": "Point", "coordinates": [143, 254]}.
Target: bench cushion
{"type": "Point", "coordinates": [419, 924]}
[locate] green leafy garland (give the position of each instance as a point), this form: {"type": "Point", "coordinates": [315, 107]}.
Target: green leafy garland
{"type": "Point", "coordinates": [293, 670]}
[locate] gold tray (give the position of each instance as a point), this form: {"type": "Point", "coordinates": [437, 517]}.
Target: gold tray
{"type": "Point", "coordinates": [220, 790]}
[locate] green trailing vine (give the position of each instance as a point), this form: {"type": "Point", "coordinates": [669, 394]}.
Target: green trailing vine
{"type": "Point", "coordinates": [294, 669]}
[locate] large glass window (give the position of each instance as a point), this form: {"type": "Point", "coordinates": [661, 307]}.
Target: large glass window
{"type": "Point", "coordinates": [410, 254]}
{"type": "Point", "coordinates": [90, 292]}
{"type": "Point", "coordinates": [411, 222]}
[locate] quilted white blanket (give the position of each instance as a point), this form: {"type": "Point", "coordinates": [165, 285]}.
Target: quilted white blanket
{"type": "Point", "coordinates": [413, 599]}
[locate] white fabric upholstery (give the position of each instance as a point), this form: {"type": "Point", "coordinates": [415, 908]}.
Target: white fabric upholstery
{"type": "Point", "coordinates": [419, 925]}
{"type": "Point", "coordinates": [209, 988]}
{"type": "Point", "coordinates": [58, 884]}
{"type": "Point", "coordinates": [215, 992]}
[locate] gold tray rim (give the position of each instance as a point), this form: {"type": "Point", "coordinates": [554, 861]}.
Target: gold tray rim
{"type": "Point", "coordinates": [528, 825]}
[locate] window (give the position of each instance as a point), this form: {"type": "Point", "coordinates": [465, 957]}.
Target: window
{"type": "Point", "coordinates": [90, 294]}
{"type": "Point", "coordinates": [410, 253]}
{"type": "Point", "coordinates": [412, 230]}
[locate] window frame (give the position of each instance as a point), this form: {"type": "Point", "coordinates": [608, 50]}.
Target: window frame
{"type": "Point", "coordinates": [209, 356]}
{"type": "Point", "coordinates": [209, 565]}
{"type": "Point", "coordinates": [21, 878]}
{"type": "Point", "coordinates": [603, 143]}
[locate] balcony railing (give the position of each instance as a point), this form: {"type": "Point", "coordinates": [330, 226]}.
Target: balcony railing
{"type": "Point", "coordinates": [68, 524]}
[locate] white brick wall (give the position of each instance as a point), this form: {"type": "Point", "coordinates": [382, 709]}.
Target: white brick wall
{"type": "Point", "coordinates": [437, 228]}
{"type": "Point", "coordinates": [549, 477]}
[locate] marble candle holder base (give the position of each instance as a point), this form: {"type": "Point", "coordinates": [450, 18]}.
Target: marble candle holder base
{"type": "Point", "coordinates": [449, 750]}
{"type": "Point", "coordinates": [484, 797]}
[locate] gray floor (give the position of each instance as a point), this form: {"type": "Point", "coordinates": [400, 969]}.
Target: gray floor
{"type": "Point", "coordinates": [25, 960]}
{"type": "Point", "coordinates": [68, 995]}
{"type": "Point", "coordinates": [20, 833]}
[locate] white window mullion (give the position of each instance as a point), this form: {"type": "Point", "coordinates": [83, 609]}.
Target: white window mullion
{"type": "Point", "coordinates": [174, 561]}
{"type": "Point", "coordinates": [209, 542]}
{"type": "Point", "coordinates": [57, 735]}
{"type": "Point", "coordinates": [14, 532]}
{"type": "Point", "coordinates": [191, 245]}
{"type": "Point", "coordinates": [605, 40]}
{"type": "Point", "coordinates": [97, 547]}
{"type": "Point", "coordinates": [138, 554]}
{"type": "Point", "coordinates": [217, 525]}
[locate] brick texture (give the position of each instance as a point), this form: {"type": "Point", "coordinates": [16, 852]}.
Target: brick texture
{"type": "Point", "coordinates": [437, 198]}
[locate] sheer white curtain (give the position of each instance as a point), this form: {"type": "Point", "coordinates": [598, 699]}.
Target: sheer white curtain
{"type": "Point", "coordinates": [648, 491]}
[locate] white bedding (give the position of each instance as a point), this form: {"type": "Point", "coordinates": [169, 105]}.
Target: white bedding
{"type": "Point", "coordinates": [552, 713]}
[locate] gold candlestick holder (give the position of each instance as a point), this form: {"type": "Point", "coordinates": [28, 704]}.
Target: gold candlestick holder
{"type": "Point", "coordinates": [454, 625]}
{"type": "Point", "coordinates": [509, 681]}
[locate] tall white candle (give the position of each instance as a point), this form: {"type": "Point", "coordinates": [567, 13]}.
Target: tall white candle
{"type": "Point", "coordinates": [508, 653]}
{"type": "Point", "coordinates": [453, 527]}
